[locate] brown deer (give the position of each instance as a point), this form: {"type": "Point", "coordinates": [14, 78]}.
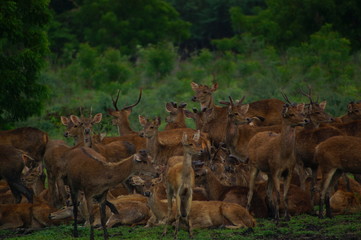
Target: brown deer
{"type": "Point", "coordinates": [274, 154]}
{"type": "Point", "coordinates": [180, 180]}
{"type": "Point", "coordinates": [197, 116]}
{"type": "Point", "coordinates": [161, 149]}
{"type": "Point", "coordinates": [336, 155]}
{"type": "Point", "coordinates": [12, 163]}
{"type": "Point", "coordinates": [203, 214]}
{"type": "Point", "coordinates": [353, 113]}
{"type": "Point", "coordinates": [239, 131]}
{"type": "Point", "coordinates": [311, 135]}
{"type": "Point", "coordinates": [121, 117]}
{"type": "Point", "coordinates": [88, 171]}
{"type": "Point", "coordinates": [268, 111]}
{"type": "Point", "coordinates": [176, 117]}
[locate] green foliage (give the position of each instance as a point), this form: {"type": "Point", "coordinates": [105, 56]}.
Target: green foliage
{"type": "Point", "coordinates": [158, 61]}
{"type": "Point", "coordinates": [23, 46]}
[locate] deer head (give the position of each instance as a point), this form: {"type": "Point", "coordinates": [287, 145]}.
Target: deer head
{"type": "Point", "coordinates": [194, 145]}
{"type": "Point", "coordinates": [175, 111]}
{"type": "Point", "coordinates": [237, 112]}
{"type": "Point", "coordinates": [354, 110]}
{"type": "Point", "coordinates": [203, 94]}
{"type": "Point", "coordinates": [86, 125]}
{"type": "Point", "coordinates": [314, 111]}
{"type": "Point", "coordinates": [293, 114]}
{"type": "Point", "coordinates": [150, 127]}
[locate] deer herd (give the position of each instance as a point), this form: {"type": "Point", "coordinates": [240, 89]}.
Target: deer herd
{"type": "Point", "coordinates": [242, 161]}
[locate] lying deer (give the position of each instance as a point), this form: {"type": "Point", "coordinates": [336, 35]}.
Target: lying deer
{"type": "Point", "coordinates": [274, 154]}
{"type": "Point", "coordinates": [203, 214]}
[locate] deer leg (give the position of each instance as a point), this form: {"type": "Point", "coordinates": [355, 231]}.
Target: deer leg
{"type": "Point", "coordinates": [178, 216]}
{"type": "Point", "coordinates": [103, 219]}
{"type": "Point", "coordinates": [313, 186]}
{"type": "Point", "coordinates": [90, 215]}
{"type": "Point", "coordinates": [74, 199]}
{"type": "Point", "coordinates": [334, 179]}
{"type": "Point", "coordinates": [286, 187]}
{"type": "Point", "coordinates": [301, 174]}
{"type": "Point", "coordinates": [18, 189]}
{"type": "Point", "coordinates": [252, 177]}
{"type": "Point", "coordinates": [170, 206]}
{"type": "Point", "coordinates": [270, 196]}
{"type": "Point", "coordinates": [276, 182]}
{"type": "Point", "coordinates": [327, 177]}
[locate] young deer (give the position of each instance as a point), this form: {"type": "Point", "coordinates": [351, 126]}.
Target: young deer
{"type": "Point", "coordinates": [274, 154]}
{"type": "Point", "coordinates": [180, 181]}
{"type": "Point", "coordinates": [88, 171]}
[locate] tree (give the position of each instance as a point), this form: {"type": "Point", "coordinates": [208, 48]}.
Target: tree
{"type": "Point", "coordinates": [23, 46]}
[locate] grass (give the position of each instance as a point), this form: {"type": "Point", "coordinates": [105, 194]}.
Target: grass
{"type": "Point", "coordinates": [300, 227]}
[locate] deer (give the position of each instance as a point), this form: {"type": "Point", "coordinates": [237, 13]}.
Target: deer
{"type": "Point", "coordinates": [176, 117]}
{"type": "Point", "coordinates": [161, 149]}
{"type": "Point", "coordinates": [85, 172]}
{"type": "Point", "coordinates": [311, 135]}
{"type": "Point", "coordinates": [180, 181]}
{"type": "Point", "coordinates": [336, 155]}
{"type": "Point", "coordinates": [197, 116]}
{"type": "Point", "coordinates": [240, 129]}
{"type": "Point", "coordinates": [274, 154]}
{"type": "Point", "coordinates": [353, 113]}
{"type": "Point", "coordinates": [203, 214]}
{"type": "Point", "coordinates": [12, 164]}
{"type": "Point", "coordinates": [121, 117]}
{"type": "Point", "coordinates": [267, 110]}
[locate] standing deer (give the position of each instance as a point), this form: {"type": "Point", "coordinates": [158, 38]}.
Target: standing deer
{"type": "Point", "coordinates": [180, 181]}
{"type": "Point", "coordinates": [336, 155]}
{"type": "Point", "coordinates": [274, 154]}
{"type": "Point", "coordinates": [88, 171]}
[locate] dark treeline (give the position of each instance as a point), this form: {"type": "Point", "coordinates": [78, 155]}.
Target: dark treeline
{"type": "Point", "coordinates": [59, 55]}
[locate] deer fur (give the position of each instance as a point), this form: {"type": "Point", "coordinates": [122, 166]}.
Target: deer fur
{"type": "Point", "coordinates": [353, 113]}
{"type": "Point", "coordinates": [176, 117]}
{"type": "Point", "coordinates": [88, 171]}
{"type": "Point", "coordinates": [274, 154]}
{"type": "Point", "coordinates": [180, 180]}
{"type": "Point", "coordinates": [336, 155]}
{"type": "Point", "coordinates": [12, 163]}
{"type": "Point", "coordinates": [203, 214]}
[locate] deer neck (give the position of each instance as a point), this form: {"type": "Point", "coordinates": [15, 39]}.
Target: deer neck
{"type": "Point", "coordinates": [153, 145]}
{"type": "Point", "coordinates": [287, 140]}
{"type": "Point", "coordinates": [208, 105]}
{"type": "Point", "coordinates": [88, 140]}
{"type": "Point", "coordinates": [214, 187]}
{"type": "Point", "coordinates": [157, 206]}
{"type": "Point", "coordinates": [187, 166]}
{"type": "Point", "coordinates": [124, 129]}
{"type": "Point", "coordinates": [232, 134]}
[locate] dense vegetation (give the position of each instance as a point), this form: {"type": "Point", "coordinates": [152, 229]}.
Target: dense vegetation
{"type": "Point", "coordinates": [253, 48]}
{"type": "Point", "coordinates": [300, 227]}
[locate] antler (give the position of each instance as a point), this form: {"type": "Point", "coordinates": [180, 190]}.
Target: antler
{"type": "Point", "coordinates": [115, 102]}
{"type": "Point", "coordinates": [309, 95]}
{"type": "Point", "coordinates": [135, 104]}
{"type": "Point", "coordinates": [286, 98]}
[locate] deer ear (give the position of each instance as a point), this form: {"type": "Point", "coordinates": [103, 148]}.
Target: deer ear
{"type": "Point", "coordinates": [182, 105]}
{"type": "Point", "coordinates": [187, 113]}
{"type": "Point", "coordinates": [64, 120]}
{"type": "Point", "coordinates": [214, 87]}
{"type": "Point", "coordinates": [244, 108]}
{"type": "Point", "coordinates": [323, 105]}
{"type": "Point", "coordinates": [184, 138]}
{"type": "Point", "coordinates": [142, 120]}
{"type": "Point", "coordinates": [194, 86]}
{"type": "Point", "coordinates": [97, 118]}
{"type": "Point", "coordinates": [75, 119]}
{"type": "Point", "coordinates": [169, 107]}
{"type": "Point", "coordinates": [197, 135]}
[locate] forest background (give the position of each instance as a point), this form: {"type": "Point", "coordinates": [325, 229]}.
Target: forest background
{"type": "Point", "coordinates": [61, 55]}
